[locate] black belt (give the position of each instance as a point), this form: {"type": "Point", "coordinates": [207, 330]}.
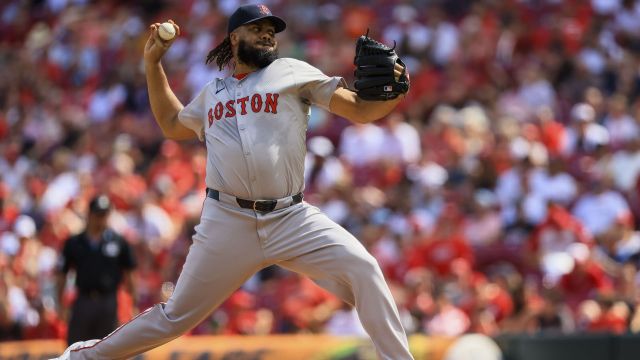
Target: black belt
{"type": "Point", "coordinates": [257, 205]}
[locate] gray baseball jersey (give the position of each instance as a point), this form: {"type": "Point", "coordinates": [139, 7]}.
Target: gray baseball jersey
{"type": "Point", "coordinates": [255, 131]}
{"type": "Point", "coordinates": [255, 128]}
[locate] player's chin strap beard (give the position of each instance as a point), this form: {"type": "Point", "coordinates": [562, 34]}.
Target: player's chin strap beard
{"type": "Point", "coordinates": [257, 57]}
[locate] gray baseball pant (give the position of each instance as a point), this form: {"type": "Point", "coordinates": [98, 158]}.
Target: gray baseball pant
{"type": "Point", "coordinates": [230, 245]}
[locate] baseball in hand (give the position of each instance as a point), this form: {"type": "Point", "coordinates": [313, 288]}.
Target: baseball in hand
{"type": "Point", "coordinates": [166, 31]}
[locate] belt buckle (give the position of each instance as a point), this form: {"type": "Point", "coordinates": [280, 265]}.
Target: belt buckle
{"type": "Point", "coordinates": [264, 205]}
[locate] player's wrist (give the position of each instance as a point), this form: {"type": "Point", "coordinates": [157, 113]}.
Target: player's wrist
{"type": "Point", "coordinates": [151, 62]}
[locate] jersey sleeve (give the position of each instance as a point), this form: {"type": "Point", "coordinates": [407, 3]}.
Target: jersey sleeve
{"type": "Point", "coordinates": [193, 115]}
{"type": "Point", "coordinates": [313, 85]}
{"type": "Point", "coordinates": [127, 260]}
{"type": "Point", "coordinates": [66, 261]}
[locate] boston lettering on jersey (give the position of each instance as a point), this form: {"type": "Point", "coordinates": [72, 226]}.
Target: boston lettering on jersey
{"type": "Point", "coordinates": [254, 103]}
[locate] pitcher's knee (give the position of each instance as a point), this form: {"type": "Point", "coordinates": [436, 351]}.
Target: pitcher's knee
{"type": "Point", "coordinates": [174, 324]}
{"type": "Point", "coordinates": [365, 267]}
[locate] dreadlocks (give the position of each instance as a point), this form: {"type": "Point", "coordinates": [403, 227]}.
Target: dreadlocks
{"type": "Point", "coordinates": [221, 54]}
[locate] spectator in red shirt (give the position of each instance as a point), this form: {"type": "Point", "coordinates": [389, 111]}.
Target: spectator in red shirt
{"type": "Point", "coordinates": [555, 234]}
{"type": "Point", "coordinates": [447, 243]}
{"type": "Point", "coordinates": [585, 280]}
{"type": "Point", "coordinates": [612, 318]}
{"type": "Point", "coordinates": [50, 326]}
{"type": "Point", "coordinates": [306, 305]}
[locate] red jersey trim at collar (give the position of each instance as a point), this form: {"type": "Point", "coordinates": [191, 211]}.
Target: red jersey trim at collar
{"type": "Point", "coordinates": [240, 76]}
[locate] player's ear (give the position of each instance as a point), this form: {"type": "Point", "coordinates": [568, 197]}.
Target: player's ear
{"type": "Point", "coordinates": [234, 37]}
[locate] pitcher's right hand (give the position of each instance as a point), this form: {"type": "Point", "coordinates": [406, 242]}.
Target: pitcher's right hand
{"type": "Point", "coordinates": [155, 47]}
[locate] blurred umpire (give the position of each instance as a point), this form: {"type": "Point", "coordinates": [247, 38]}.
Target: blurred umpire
{"type": "Point", "coordinates": [102, 260]}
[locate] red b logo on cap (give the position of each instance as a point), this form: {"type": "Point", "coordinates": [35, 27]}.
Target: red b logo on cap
{"type": "Point", "coordinates": [264, 10]}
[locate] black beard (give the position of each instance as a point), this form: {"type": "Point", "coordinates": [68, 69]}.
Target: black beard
{"type": "Point", "coordinates": [255, 57]}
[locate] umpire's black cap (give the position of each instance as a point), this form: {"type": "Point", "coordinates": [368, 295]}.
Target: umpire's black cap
{"type": "Point", "coordinates": [100, 204]}
{"type": "Point", "coordinates": [250, 13]}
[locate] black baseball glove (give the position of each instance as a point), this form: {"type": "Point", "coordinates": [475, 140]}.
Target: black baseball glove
{"type": "Point", "coordinates": [375, 78]}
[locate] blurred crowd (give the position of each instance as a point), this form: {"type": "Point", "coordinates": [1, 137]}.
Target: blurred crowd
{"type": "Point", "coordinates": [501, 197]}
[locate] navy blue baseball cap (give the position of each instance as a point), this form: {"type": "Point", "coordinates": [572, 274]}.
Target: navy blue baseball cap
{"type": "Point", "coordinates": [100, 204]}
{"type": "Point", "coordinates": [249, 13]}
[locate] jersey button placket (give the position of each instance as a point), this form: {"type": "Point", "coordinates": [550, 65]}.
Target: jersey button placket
{"type": "Point", "coordinates": [241, 121]}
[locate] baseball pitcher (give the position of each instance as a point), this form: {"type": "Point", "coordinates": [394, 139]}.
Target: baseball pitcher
{"type": "Point", "coordinates": [254, 126]}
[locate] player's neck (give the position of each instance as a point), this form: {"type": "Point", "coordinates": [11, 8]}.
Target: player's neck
{"type": "Point", "coordinates": [243, 68]}
{"type": "Point", "coordinates": [94, 232]}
